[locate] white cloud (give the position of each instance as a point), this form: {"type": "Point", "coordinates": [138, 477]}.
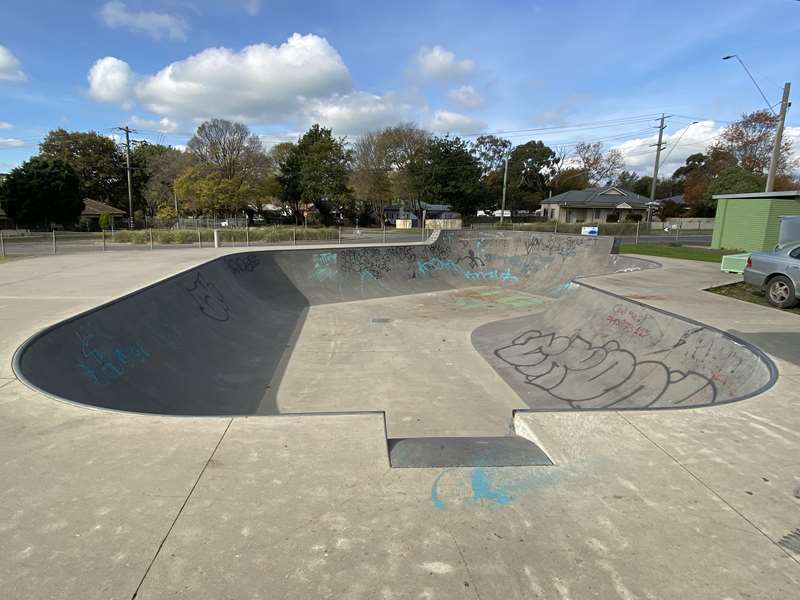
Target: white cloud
{"type": "Point", "coordinates": [5, 125]}
{"type": "Point", "coordinates": [639, 156]}
{"type": "Point", "coordinates": [357, 112]}
{"type": "Point", "coordinates": [441, 64]}
{"type": "Point", "coordinates": [11, 143]}
{"type": "Point", "coordinates": [466, 96]}
{"type": "Point", "coordinates": [260, 82]}
{"type": "Point", "coordinates": [445, 121]}
{"type": "Point", "coordinates": [10, 69]}
{"type": "Point", "coordinates": [110, 80]}
{"type": "Point", "coordinates": [162, 125]}
{"type": "Point", "coordinates": [156, 25]}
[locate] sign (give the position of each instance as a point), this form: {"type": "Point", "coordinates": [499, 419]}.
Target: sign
{"type": "Point", "coordinates": [589, 231]}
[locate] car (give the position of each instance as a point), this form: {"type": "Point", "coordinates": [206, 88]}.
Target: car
{"type": "Point", "coordinates": [777, 274]}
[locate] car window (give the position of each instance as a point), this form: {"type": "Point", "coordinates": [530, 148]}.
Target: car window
{"type": "Point", "coordinates": [795, 253]}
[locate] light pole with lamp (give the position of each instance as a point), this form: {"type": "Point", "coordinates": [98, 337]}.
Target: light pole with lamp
{"type": "Point", "coordinates": [781, 120]}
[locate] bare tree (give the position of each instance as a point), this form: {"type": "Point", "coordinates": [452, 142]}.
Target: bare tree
{"type": "Point", "coordinates": [369, 178]}
{"type": "Point", "coordinates": [226, 145]}
{"type": "Point", "coordinates": [599, 166]}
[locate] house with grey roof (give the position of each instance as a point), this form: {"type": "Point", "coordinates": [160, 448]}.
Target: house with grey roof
{"type": "Point", "coordinates": [595, 205]}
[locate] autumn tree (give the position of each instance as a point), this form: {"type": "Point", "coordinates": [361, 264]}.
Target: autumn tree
{"type": "Point", "coordinates": [749, 141]}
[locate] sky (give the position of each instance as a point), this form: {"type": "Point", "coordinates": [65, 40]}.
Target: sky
{"type": "Point", "coordinates": [560, 71]}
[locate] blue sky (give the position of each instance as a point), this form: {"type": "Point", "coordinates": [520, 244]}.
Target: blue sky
{"type": "Point", "coordinates": [564, 71]}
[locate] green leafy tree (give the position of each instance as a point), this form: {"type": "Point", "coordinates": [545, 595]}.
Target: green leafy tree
{"type": "Point", "coordinates": [206, 190]}
{"type": "Point", "coordinates": [163, 170]}
{"type": "Point", "coordinates": [41, 192]}
{"type": "Point", "coordinates": [96, 159]}
{"type": "Point", "coordinates": [317, 171]}
{"type": "Point", "coordinates": [445, 171]}
{"type": "Point", "coordinates": [531, 167]}
{"type": "Point", "coordinates": [491, 151]}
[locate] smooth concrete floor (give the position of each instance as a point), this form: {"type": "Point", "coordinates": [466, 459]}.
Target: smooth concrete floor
{"type": "Point", "coordinates": [688, 504]}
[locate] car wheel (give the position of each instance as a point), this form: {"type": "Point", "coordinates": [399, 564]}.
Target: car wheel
{"type": "Point", "coordinates": [780, 292]}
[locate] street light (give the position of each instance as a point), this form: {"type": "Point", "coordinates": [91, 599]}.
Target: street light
{"type": "Point", "coordinates": [780, 122]}
{"type": "Point", "coordinates": [744, 66]}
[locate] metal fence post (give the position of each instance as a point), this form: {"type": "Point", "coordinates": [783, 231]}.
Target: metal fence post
{"type": "Point", "coordinates": [104, 240]}
{"type": "Point", "coordinates": [637, 232]}
{"type": "Point", "coordinates": [199, 239]}
{"type": "Point", "coordinates": [2, 245]}
{"type": "Point", "coordinates": [54, 241]}
{"type": "Point", "coordinates": [247, 236]}
{"type": "Point", "coordinates": [556, 229]}
{"type": "Point", "coordinates": [150, 231]}
{"type": "Point", "coordinates": [294, 236]}
{"type": "Point", "coordinates": [340, 235]}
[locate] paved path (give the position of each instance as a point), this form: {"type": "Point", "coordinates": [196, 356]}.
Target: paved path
{"type": "Point", "coordinates": [690, 504]}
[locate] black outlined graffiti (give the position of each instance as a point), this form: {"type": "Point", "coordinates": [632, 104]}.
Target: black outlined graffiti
{"type": "Point", "coordinates": [583, 374]}
{"type": "Point", "coordinates": [474, 260]}
{"type": "Point", "coordinates": [556, 244]}
{"type": "Point", "coordinates": [242, 264]}
{"type": "Point", "coordinates": [209, 299]}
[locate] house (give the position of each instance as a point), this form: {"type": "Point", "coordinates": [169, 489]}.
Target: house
{"type": "Point", "coordinates": [595, 205]}
{"type": "Point", "coordinates": [92, 209]}
{"type": "Point", "coordinates": [751, 221]}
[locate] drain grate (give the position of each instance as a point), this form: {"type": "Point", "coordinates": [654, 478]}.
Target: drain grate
{"type": "Point", "coordinates": [382, 320]}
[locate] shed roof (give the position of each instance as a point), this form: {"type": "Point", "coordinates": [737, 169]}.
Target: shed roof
{"type": "Point", "coordinates": [758, 195]}
{"type": "Point", "coordinates": [95, 208]}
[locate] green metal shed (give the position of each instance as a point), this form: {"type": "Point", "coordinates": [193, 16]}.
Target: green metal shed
{"type": "Point", "coordinates": [750, 221]}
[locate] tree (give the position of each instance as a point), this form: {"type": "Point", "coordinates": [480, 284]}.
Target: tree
{"type": "Point", "coordinates": [400, 144]}
{"type": "Point", "coordinates": [370, 173]}
{"type": "Point", "coordinates": [316, 170]}
{"type": "Point", "coordinates": [569, 179]}
{"type": "Point", "coordinates": [599, 166]}
{"type": "Point", "coordinates": [669, 210]}
{"type": "Point", "coordinates": [163, 170]}
{"type": "Point", "coordinates": [226, 145]}
{"type": "Point", "coordinates": [445, 171]}
{"type": "Point", "coordinates": [41, 192]}
{"type": "Point", "coordinates": [749, 142]}
{"type": "Point", "coordinates": [97, 161]}
{"type": "Point", "coordinates": [491, 151]}
{"type": "Point", "coordinates": [205, 190]}
{"type": "Point", "coordinates": [531, 168]}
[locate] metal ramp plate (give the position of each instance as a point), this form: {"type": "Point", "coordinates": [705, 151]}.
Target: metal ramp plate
{"type": "Point", "coordinates": [508, 451]}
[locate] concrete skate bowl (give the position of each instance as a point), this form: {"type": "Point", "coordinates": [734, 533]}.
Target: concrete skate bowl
{"type": "Point", "coordinates": [215, 340]}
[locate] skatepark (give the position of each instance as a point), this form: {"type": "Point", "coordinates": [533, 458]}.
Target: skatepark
{"type": "Point", "coordinates": [573, 423]}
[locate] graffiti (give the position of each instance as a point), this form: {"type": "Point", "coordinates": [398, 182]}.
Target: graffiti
{"type": "Point", "coordinates": [242, 264]}
{"type": "Point", "coordinates": [325, 266]}
{"type": "Point", "coordinates": [425, 268]}
{"type": "Point", "coordinates": [629, 320]}
{"type": "Point", "coordinates": [104, 363]}
{"type": "Point", "coordinates": [494, 274]}
{"type": "Point", "coordinates": [583, 374]}
{"type": "Point", "coordinates": [473, 260]}
{"type": "Point", "coordinates": [209, 299]}
{"type": "Point", "coordinates": [488, 486]}
{"type": "Point", "coordinates": [563, 246]}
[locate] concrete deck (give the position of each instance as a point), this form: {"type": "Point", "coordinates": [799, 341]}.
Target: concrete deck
{"type": "Point", "coordinates": [698, 503]}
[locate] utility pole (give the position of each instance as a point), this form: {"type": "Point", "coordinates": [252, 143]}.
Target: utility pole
{"type": "Point", "coordinates": [505, 182]}
{"type": "Point", "coordinates": [659, 146]}
{"type": "Point", "coordinates": [128, 132]}
{"type": "Point", "coordinates": [776, 148]}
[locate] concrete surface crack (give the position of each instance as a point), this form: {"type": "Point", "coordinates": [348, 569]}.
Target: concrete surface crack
{"type": "Point", "coordinates": [180, 510]}
{"type": "Point", "coordinates": [466, 566]}
{"type": "Point", "coordinates": [710, 489]}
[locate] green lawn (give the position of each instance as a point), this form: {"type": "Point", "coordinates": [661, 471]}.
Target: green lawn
{"type": "Point", "coordinates": [7, 258]}
{"type": "Point", "coordinates": [685, 252]}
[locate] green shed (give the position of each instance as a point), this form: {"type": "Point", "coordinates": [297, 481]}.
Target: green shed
{"type": "Point", "coordinates": [750, 221]}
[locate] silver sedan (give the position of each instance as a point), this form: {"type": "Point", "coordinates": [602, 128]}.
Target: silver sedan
{"type": "Point", "coordinates": [776, 273]}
